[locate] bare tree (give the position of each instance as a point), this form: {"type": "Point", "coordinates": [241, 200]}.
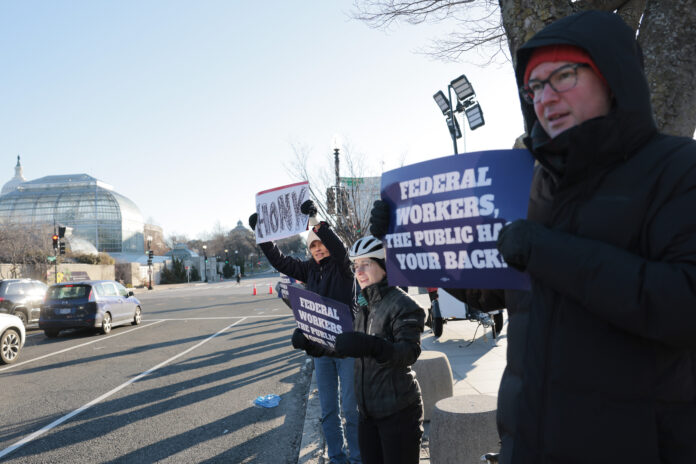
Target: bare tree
{"type": "Point", "coordinates": [665, 30]}
{"type": "Point", "coordinates": [346, 206]}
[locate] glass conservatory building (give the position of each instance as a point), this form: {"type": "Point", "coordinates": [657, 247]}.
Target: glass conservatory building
{"type": "Point", "coordinates": [94, 211]}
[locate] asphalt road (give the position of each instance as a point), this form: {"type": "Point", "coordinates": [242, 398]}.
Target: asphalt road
{"type": "Point", "coordinates": [179, 388]}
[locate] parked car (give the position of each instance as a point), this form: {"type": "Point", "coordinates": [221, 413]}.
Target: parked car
{"type": "Point", "coordinates": [23, 298]}
{"type": "Point", "coordinates": [12, 337]}
{"type": "Point", "coordinates": [101, 304]}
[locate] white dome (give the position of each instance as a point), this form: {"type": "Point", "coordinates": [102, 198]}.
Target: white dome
{"type": "Point", "coordinates": [13, 183]}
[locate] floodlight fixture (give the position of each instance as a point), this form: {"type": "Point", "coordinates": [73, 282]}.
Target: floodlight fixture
{"type": "Point", "coordinates": [442, 102]}
{"type": "Point", "coordinates": [462, 88]}
{"type": "Point", "coordinates": [475, 116]}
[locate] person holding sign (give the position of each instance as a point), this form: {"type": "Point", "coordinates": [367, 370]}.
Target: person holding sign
{"type": "Point", "coordinates": [385, 343]}
{"type": "Point", "coordinates": [328, 274]}
{"type": "Point", "coordinates": [608, 363]}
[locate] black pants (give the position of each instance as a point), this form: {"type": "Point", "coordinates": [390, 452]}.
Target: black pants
{"type": "Point", "coordinates": [394, 439]}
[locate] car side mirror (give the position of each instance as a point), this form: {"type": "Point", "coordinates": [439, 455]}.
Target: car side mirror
{"type": "Point", "coordinates": [130, 293]}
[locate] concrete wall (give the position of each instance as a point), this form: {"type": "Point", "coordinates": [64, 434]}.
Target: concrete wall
{"type": "Point", "coordinates": [66, 272]}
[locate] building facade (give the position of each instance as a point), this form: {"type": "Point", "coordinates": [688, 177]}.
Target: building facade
{"type": "Point", "coordinates": [90, 208]}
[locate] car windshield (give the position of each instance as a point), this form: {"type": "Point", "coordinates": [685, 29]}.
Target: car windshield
{"type": "Point", "coordinates": [67, 292]}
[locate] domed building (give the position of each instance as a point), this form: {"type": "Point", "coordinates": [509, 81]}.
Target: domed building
{"type": "Point", "coordinates": [13, 183]}
{"type": "Point", "coordinates": [91, 208]}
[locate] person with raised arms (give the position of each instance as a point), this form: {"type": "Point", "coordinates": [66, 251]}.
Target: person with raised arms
{"type": "Point", "coordinates": [328, 274]}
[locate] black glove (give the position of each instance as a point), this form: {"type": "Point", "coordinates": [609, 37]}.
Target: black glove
{"type": "Point", "coordinates": [358, 345]}
{"type": "Point", "coordinates": [516, 240]}
{"type": "Point", "coordinates": [308, 208]}
{"type": "Point", "coordinates": [252, 221]}
{"type": "Point", "coordinates": [379, 219]}
{"type": "Point", "coordinates": [300, 342]}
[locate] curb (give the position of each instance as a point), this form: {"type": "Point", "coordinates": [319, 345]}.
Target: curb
{"type": "Point", "coordinates": [313, 445]}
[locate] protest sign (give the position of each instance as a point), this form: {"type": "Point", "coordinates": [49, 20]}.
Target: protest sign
{"type": "Point", "coordinates": [319, 318]}
{"type": "Point", "coordinates": [446, 215]}
{"type": "Point", "coordinates": [279, 213]}
{"type": "Point", "coordinates": [283, 284]}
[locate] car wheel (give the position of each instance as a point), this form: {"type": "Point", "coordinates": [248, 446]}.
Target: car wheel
{"type": "Point", "coordinates": [137, 319]}
{"type": "Point", "coordinates": [106, 324]}
{"type": "Point", "coordinates": [10, 344]}
{"type": "Point", "coordinates": [51, 333]}
{"type": "Point", "coordinates": [20, 314]}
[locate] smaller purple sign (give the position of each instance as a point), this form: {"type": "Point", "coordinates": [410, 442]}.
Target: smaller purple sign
{"type": "Point", "coordinates": [319, 318]}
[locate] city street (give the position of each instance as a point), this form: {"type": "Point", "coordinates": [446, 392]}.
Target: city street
{"type": "Point", "coordinates": [179, 388]}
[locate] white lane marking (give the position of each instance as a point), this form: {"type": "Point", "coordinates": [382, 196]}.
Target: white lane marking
{"type": "Point", "coordinates": [100, 339]}
{"type": "Point", "coordinates": [217, 318]}
{"type": "Point", "coordinates": [77, 411]}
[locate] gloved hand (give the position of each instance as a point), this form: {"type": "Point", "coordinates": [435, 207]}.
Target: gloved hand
{"type": "Point", "coordinates": [300, 342]}
{"type": "Point", "coordinates": [516, 240]}
{"type": "Point", "coordinates": [252, 221]}
{"type": "Point", "coordinates": [308, 208]}
{"type": "Point", "coordinates": [358, 345]}
{"type": "Point", "coordinates": [379, 218]}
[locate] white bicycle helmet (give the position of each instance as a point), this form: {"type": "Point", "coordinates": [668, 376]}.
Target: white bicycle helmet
{"type": "Point", "coordinates": [367, 247]}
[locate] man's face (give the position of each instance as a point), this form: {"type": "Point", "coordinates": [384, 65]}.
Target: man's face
{"type": "Point", "coordinates": [318, 250]}
{"type": "Point", "coordinates": [557, 112]}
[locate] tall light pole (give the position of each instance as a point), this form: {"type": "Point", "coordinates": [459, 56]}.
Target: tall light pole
{"type": "Point", "coordinates": [149, 261]}
{"type": "Point", "coordinates": [205, 262]}
{"type": "Point", "coordinates": [465, 102]}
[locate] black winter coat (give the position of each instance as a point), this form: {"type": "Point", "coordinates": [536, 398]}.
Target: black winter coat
{"type": "Point", "coordinates": [331, 277]}
{"type": "Point", "coordinates": [383, 389]}
{"type": "Point", "coordinates": [517, 303]}
{"type": "Point", "coordinates": [609, 367]}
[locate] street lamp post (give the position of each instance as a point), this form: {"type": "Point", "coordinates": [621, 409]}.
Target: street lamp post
{"type": "Point", "coordinates": [205, 262]}
{"type": "Point", "coordinates": [465, 102]}
{"type": "Point", "coordinates": [149, 262]}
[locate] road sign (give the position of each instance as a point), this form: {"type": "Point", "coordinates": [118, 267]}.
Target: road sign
{"type": "Point", "coordinates": [51, 259]}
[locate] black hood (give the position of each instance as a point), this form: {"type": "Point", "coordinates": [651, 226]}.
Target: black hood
{"type": "Point", "coordinates": [613, 48]}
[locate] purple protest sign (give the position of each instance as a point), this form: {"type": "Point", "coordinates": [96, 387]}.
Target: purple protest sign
{"type": "Point", "coordinates": [319, 318]}
{"type": "Point", "coordinates": [446, 214]}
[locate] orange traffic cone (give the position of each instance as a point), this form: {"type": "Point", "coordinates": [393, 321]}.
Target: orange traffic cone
{"type": "Point", "coordinates": [254, 292]}
{"type": "Point", "coordinates": [270, 289]}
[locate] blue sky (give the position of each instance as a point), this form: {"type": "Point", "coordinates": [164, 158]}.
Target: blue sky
{"type": "Point", "coordinates": [189, 108]}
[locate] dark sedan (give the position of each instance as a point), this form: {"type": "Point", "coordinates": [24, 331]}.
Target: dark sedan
{"type": "Point", "coordinates": [101, 304]}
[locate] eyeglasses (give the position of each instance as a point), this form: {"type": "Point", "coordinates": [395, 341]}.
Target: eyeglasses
{"type": "Point", "coordinates": [361, 267]}
{"type": "Point", "coordinates": [560, 80]}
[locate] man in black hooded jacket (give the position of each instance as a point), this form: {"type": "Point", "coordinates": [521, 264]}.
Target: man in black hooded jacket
{"type": "Point", "coordinates": [609, 372]}
{"type": "Point", "coordinates": [601, 365]}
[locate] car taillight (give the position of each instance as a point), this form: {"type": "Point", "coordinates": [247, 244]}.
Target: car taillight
{"type": "Point", "coordinates": [91, 295]}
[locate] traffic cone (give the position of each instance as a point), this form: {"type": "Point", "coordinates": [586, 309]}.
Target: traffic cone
{"type": "Point", "coordinates": [254, 292]}
{"type": "Point", "coordinates": [270, 289]}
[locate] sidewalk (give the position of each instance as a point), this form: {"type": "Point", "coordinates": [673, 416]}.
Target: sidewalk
{"type": "Point", "coordinates": [476, 369]}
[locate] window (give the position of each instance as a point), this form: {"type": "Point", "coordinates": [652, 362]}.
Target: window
{"type": "Point", "coordinates": [68, 292]}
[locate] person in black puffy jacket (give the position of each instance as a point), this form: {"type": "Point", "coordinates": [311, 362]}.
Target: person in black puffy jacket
{"type": "Point", "coordinates": [385, 343]}
{"type": "Point", "coordinates": [328, 274]}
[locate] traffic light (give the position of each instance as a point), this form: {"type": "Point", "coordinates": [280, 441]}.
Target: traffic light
{"type": "Point", "coordinates": [61, 231]}
{"type": "Point", "coordinates": [62, 248]}
{"type": "Point", "coordinates": [55, 241]}
{"type": "Point", "coordinates": [150, 253]}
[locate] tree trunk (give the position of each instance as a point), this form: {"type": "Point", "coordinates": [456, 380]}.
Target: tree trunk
{"type": "Point", "coordinates": [668, 38]}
